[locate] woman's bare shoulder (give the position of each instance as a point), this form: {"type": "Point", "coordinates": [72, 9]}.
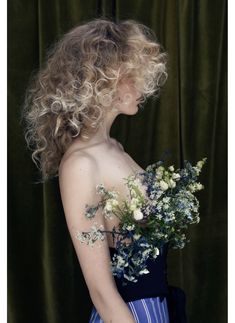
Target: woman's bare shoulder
{"type": "Point", "coordinates": [105, 164]}
{"type": "Point", "coordinates": [77, 161]}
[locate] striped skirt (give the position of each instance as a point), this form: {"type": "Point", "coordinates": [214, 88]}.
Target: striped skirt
{"type": "Point", "coordinates": [145, 310]}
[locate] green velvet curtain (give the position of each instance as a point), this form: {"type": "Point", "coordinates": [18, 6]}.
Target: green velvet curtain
{"type": "Point", "coordinates": [45, 282]}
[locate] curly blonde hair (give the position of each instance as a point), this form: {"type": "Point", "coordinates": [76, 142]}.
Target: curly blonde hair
{"type": "Point", "coordinates": [78, 82]}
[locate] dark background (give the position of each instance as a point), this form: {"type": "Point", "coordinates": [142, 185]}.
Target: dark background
{"type": "Point", "coordinates": [189, 121]}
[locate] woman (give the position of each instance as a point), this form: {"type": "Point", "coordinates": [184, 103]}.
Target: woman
{"type": "Point", "coordinates": [95, 72]}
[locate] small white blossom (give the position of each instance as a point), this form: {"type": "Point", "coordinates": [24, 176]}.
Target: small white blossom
{"type": "Point", "coordinates": [90, 237]}
{"type": "Point", "coordinates": [171, 183]}
{"type": "Point", "coordinates": [166, 199]}
{"type": "Point", "coordinates": [138, 215]}
{"type": "Point", "coordinates": [197, 219]}
{"type": "Point", "coordinates": [159, 174]}
{"type": "Point", "coordinates": [156, 252]}
{"type": "Point", "coordinates": [130, 278]}
{"type": "Point", "coordinates": [108, 206]}
{"type": "Point", "coordinates": [163, 185]}
{"type": "Point", "coordinates": [154, 203]}
{"type": "Point", "coordinates": [199, 164]}
{"type": "Point", "coordinates": [144, 271]}
{"type": "Point", "coordinates": [121, 261]}
{"type": "Point", "coordinates": [171, 168]}
{"type": "Point", "coordinates": [114, 202]}
{"type": "Point", "coordinates": [130, 227]}
{"type": "Point", "coordinates": [195, 187]}
{"type": "Point", "coordinates": [134, 203]}
{"type": "Point", "coordinates": [176, 176]}
{"type": "Point", "coordinates": [199, 186]}
{"type": "Point", "coordinates": [136, 182]}
{"type": "Point", "coordinates": [112, 194]}
{"type": "Point", "coordinates": [146, 252]}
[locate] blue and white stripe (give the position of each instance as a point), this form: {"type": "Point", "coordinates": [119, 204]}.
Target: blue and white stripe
{"type": "Point", "coordinates": [145, 310]}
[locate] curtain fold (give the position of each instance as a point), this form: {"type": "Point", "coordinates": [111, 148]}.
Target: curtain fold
{"type": "Point", "coordinates": [188, 121]}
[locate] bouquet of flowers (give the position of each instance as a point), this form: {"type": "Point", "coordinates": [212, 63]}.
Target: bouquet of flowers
{"type": "Point", "coordinates": [149, 218]}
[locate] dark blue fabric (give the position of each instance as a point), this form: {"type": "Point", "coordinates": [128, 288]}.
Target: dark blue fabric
{"type": "Point", "coordinates": [152, 284]}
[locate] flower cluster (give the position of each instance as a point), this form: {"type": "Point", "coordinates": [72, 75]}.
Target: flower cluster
{"type": "Point", "coordinates": [160, 207]}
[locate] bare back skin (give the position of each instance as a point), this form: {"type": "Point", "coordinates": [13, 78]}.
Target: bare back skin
{"type": "Point", "coordinates": [113, 164]}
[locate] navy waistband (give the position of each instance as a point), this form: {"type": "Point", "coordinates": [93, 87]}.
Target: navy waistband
{"type": "Point", "coordinates": [153, 284]}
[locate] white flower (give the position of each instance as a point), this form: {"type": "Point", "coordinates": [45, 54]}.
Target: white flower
{"type": "Point", "coordinates": [171, 183]}
{"type": "Point", "coordinates": [146, 252]}
{"type": "Point", "coordinates": [120, 261]}
{"type": "Point", "coordinates": [154, 203]}
{"type": "Point", "coordinates": [176, 176]}
{"type": "Point", "coordinates": [156, 252]}
{"type": "Point", "coordinates": [199, 186]}
{"type": "Point", "coordinates": [130, 227]}
{"type": "Point", "coordinates": [144, 271]}
{"type": "Point", "coordinates": [159, 174]}
{"type": "Point", "coordinates": [114, 202]}
{"type": "Point", "coordinates": [113, 194]}
{"type": "Point", "coordinates": [166, 199]}
{"type": "Point", "coordinates": [108, 206]}
{"type": "Point", "coordinates": [171, 168]}
{"type": "Point", "coordinates": [92, 236]}
{"type": "Point", "coordinates": [195, 187]}
{"type": "Point", "coordinates": [163, 185]}
{"type": "Point", "coordinates": [199, 164]}
{"type": "Point", "coordinates": [136, 182]}
{"type": "Point", "coordinates": [197, 219]}
{"type": "Point", "coordinates": [138, 215]}
{"type": "Point", "coordinates": [133, 204]}
{"type": "Point", "coordinates": [136, 236]}
{"type": "Point", "coordinates": [130, 278]}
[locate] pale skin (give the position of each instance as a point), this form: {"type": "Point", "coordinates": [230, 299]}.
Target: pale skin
{"type": "Point", "coordinates": [85, 164]}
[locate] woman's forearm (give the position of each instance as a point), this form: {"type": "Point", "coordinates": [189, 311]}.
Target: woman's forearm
{"type": "Point", "coordinates": [111, 307]}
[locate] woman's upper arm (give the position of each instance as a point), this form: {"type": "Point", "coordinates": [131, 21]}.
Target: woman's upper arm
{"type": "Point", "coordinates": [78, 178]}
